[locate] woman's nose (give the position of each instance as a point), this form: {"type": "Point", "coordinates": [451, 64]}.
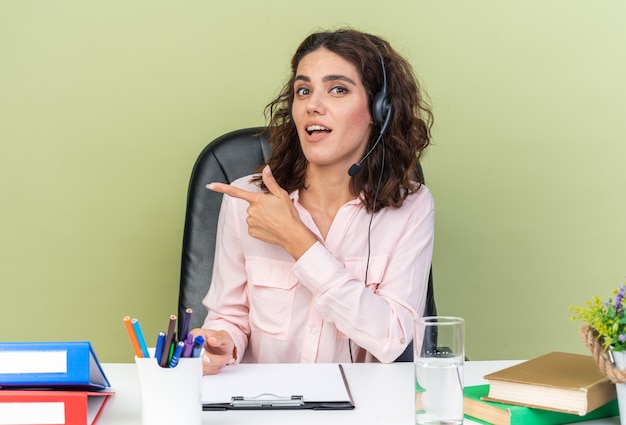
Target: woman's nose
{"type": "Point", "coordinates": [315, 103]}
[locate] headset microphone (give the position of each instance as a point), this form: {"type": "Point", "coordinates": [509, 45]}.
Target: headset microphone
{"type": "Point", "coordinates": [381, 113]}
{"type": "Point", "coordinates": [355, 168]}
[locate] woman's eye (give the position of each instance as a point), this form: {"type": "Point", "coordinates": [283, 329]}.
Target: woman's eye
{"type": "Point", "coordinates": [302, 91]}
{"type": "Point", "coordinates": [339, 90]}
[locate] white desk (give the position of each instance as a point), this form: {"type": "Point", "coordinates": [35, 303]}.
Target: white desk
{"type": "Point", "coordinates": [382, 393]}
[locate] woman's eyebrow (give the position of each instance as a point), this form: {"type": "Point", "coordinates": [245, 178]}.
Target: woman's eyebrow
{"type": "Point", "coordinates": [327, 78]}
{"type": "Point", "coordinates": [339, 77]}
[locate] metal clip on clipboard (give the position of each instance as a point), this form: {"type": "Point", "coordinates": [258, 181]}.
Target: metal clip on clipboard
{"type": "Point", "coordinates": [267, 400]}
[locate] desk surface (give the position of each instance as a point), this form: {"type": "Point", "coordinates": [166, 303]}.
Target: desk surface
{"type": "Point", "coordinates": [383, 394]}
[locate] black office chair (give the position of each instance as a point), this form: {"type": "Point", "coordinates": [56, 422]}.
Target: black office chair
{"type": "Point", "coordinates": [230, 156]}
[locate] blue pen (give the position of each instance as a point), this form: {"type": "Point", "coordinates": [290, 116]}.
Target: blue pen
{"type": "Point", "coordinates": [177, 352]}
{"type": "Point", "coordinates": [188, 349]}
{"type": "Point", "coordinates": [160, 343]}
{"type": "Point", "coordinates": [198, 343]}
{"type": "Point", "coordinates": [140, 338]}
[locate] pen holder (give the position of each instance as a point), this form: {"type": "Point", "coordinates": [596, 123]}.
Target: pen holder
{"type": "Point", "coordinates": [170, 395]}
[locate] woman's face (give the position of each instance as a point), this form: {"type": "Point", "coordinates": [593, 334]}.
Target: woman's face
{"type": "Point", "coordinates": [330, 110]}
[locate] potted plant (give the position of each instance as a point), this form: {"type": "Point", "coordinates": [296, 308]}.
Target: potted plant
{"type": "Point", "coordinates": [604, 333]}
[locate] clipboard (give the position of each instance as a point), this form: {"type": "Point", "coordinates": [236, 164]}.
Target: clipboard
{"type": "Point", "coordinates": [263, 386]}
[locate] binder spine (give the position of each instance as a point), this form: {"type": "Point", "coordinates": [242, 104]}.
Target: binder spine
{"type": "Point", "coordinates": [54, 364]}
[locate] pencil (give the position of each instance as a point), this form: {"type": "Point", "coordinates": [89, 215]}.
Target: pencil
{"type": "Point", "coordinates": [132, 336]}
{"type": "Point", "coordinates": [140, 338]}
{"type": "Point", "coordinates": [185, 329]}
{"type": "Point", "coordinates": [169, 337]}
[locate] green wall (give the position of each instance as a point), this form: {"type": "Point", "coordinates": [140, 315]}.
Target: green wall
{"type": "Point", "coordinates": [105, 105]}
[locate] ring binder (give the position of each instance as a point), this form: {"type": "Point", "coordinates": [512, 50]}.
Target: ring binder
{"type": "Point", "coordinates": [267, 400]}
{"type": "Point", "coordinates": [68, 365]}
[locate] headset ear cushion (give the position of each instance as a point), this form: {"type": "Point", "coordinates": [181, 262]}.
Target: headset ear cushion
{"type": "Point", "coordinates": [380, 107]}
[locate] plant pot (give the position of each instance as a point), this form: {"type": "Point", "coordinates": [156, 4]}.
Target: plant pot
{"type": "Point", "coordinates": [620, 363]}
{"type": "Point", "coordinates": [613, 366]}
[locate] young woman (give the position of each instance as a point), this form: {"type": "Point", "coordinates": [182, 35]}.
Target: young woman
{"type": "Point", "coordinates": [324, 256]}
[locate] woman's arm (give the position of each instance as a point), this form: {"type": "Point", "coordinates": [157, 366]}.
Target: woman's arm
{"type": "Point", "coordinates": [379, 316]}
{"type": "Point", "coordinates": [227, 301]}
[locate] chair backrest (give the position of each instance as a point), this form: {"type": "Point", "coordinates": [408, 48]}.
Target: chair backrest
{"type": "Point", "coordinates": [230, 156]}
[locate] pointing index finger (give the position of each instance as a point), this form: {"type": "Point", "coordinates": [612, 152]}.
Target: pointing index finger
{"type": "Point", "coordinates": [233, 191]}
{"type": "Point", "coordinates": [270, 182]}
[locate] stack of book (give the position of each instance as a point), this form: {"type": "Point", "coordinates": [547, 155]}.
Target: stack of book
{"type": "Point", "coordinates": [551, 389]}
{"type": "Point", "coordinates": [51, 383]}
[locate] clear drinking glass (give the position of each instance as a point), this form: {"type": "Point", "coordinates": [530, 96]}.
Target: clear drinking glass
{"type": "Point", "coordinates": [439, 344]}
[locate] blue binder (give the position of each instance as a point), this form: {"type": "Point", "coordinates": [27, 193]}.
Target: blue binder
{"type": "Point", "coordinates": [67, 365]}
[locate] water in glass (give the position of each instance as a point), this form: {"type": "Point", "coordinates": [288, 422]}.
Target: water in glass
{"type": "Point", "coordinates": [439, 391]}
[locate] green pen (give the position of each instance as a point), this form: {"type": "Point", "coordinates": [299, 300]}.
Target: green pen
{"type": "Point", "coordinates": [169, 357]}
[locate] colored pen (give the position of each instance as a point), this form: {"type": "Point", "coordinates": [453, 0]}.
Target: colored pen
{"type": "Point", "coordinates": [140, 338]}
{"type": "Point", "coordinates": [198, 343]}
{"type": "Point", "coordinates": [169, 337]}
{"type": "Point", "coordinates": [170, 355]}
{"type": "Point", "coordinates": [160, 343]}
{"type": "Point", "coordinates": [132, 336]}
{"type": "Point", "coordinates": [177, 353]}
{"type": "Point", "coordinates": [188, 349]}
{"type": "Point", "coordinates": [186, 318]}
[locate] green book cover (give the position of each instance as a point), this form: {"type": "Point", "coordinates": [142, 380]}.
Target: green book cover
{"type": "Point", "coordinates": [488, 412]}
